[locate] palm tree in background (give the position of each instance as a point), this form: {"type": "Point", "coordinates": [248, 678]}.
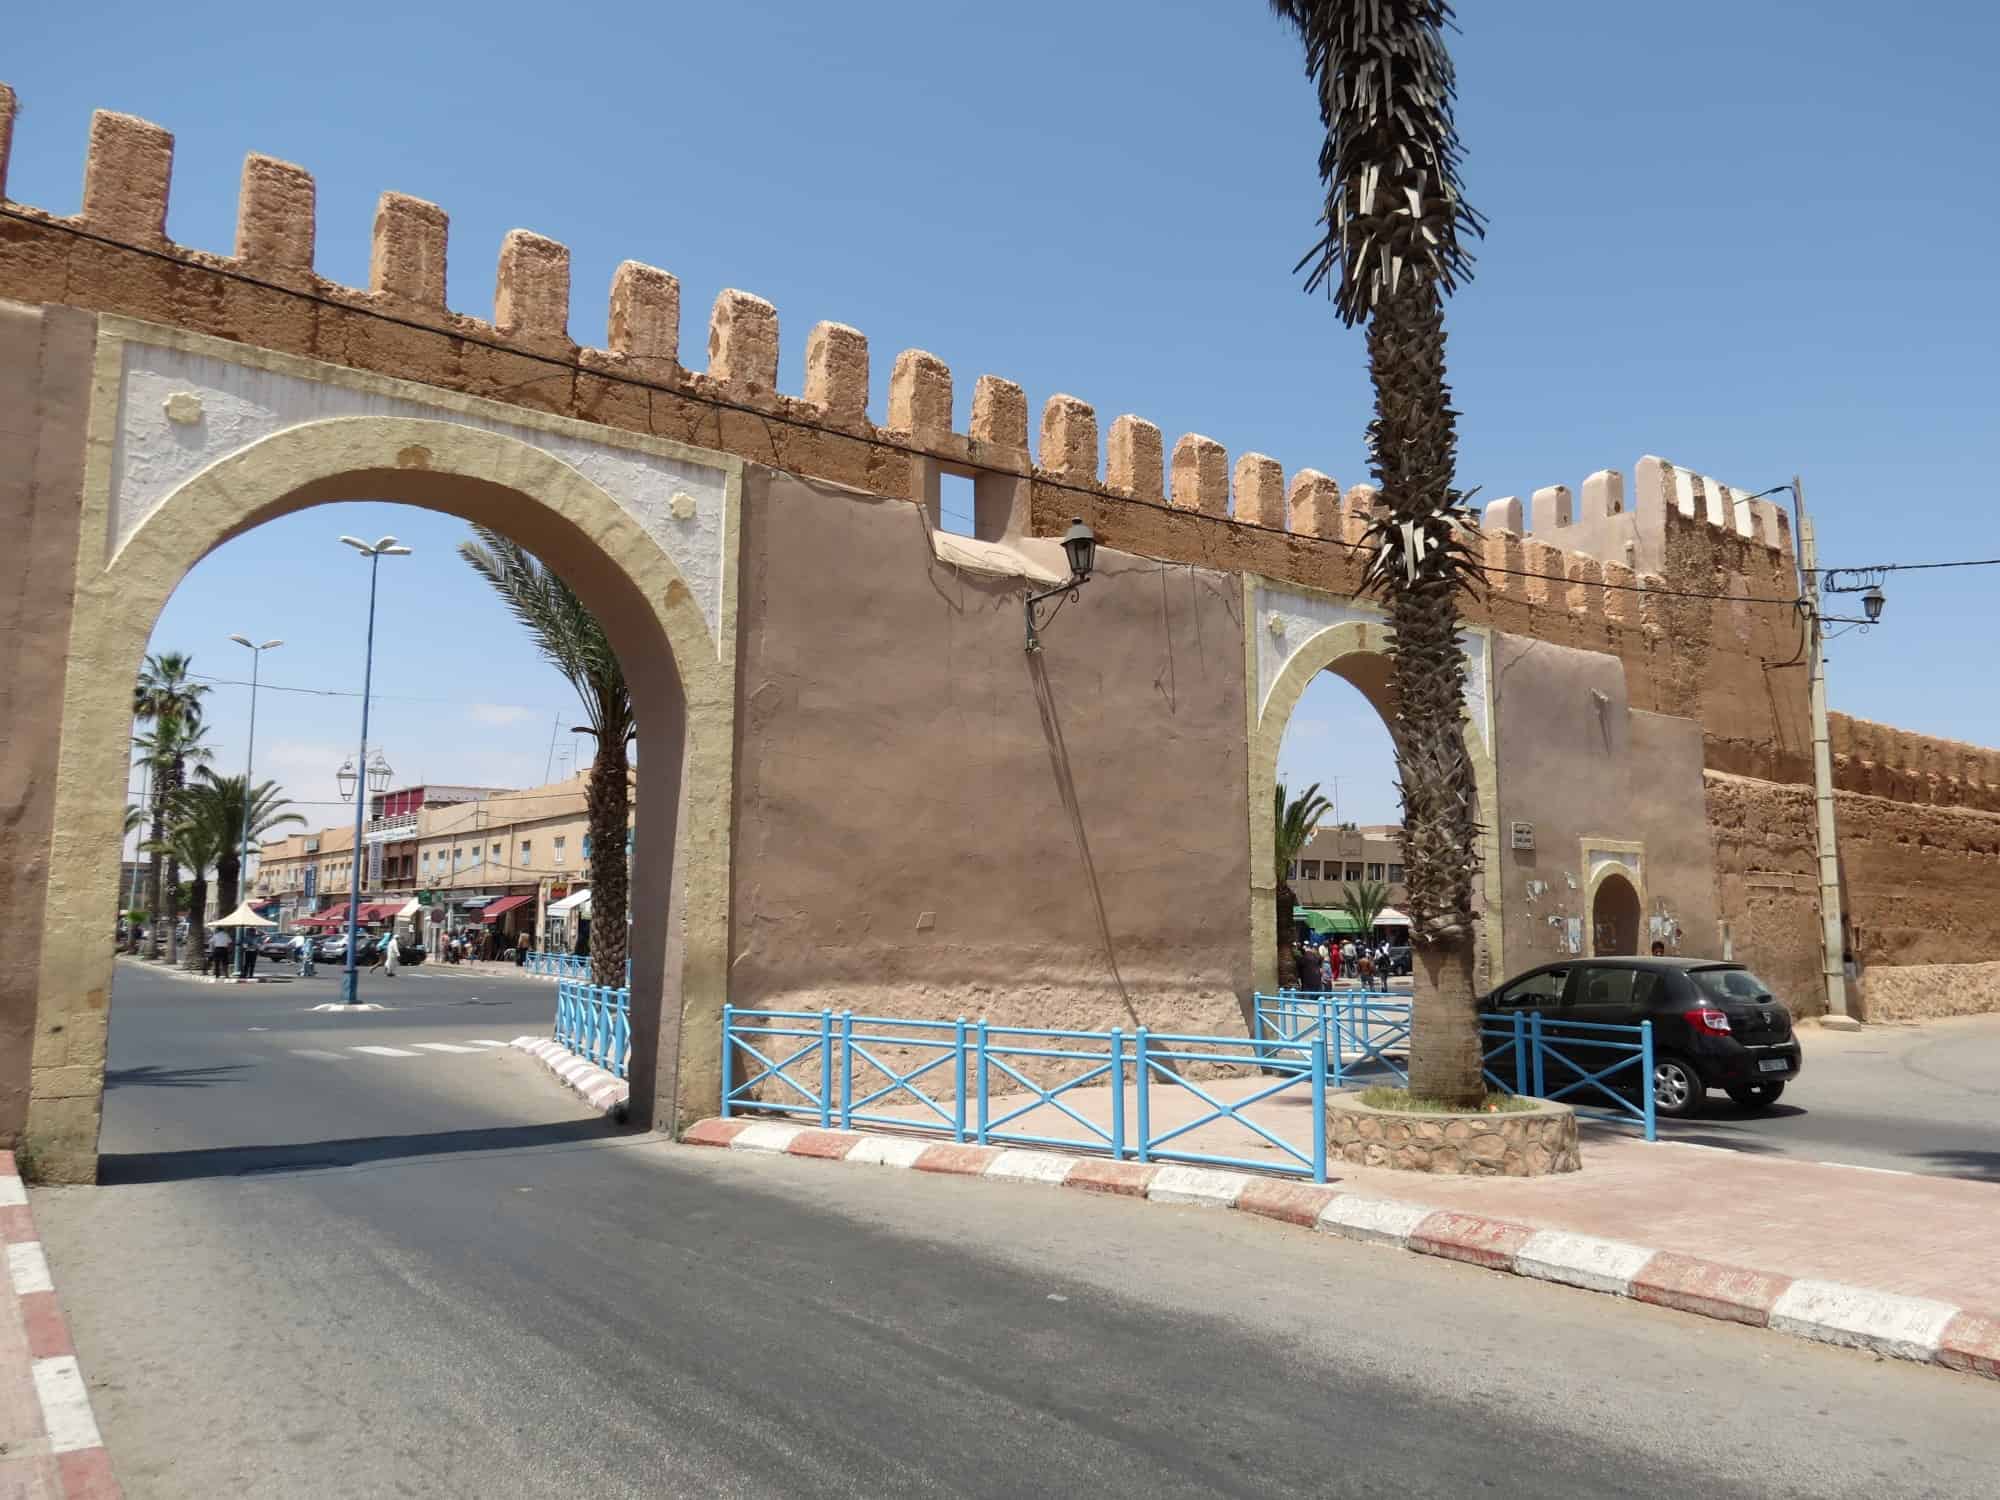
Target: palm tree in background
{"type": "Point", "coordinates": [1390, 254]}
{"type": "Point", "coordinates": [194, 840]}
{"type": "Point", "coordinates": [1363, 903]}
{"type": "Point", "coordinates": [1297, 817]}
{"type": "Point", "coordinates": [221, 799]}
{"type": "Point", "coordinates": [576, 646]}
{"type": "Point", "coordinates": [175, 742]}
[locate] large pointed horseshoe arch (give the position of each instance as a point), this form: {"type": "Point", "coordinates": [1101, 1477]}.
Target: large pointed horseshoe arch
{"type": "Point", "coordinates": [681, 677]}
{"type": "Point", "coordinates": [1353, 648]}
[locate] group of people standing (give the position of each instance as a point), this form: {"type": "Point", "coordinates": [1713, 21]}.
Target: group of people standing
{"type": "Point", "coordinates": [1324, 963]}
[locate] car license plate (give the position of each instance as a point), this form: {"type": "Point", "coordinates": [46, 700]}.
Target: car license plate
{"type": "Point", "coordinates": [1774, 1065]}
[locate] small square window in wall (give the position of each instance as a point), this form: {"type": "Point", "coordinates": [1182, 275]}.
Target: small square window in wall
{"type": "Point", "coordinates": [1354, 872]}
{"type": "Point", "coordinates": [1374, 872]}
{"type": "Point", "coordinates": [527, 853]}
{"type": "Point", "coordinates": [1308, 869]}
{"type": "Point", "coordinates": [496, 853]}
{"type": "Point", "coordinates": [560, 843]}
{"type": "Point", "coordinates": [1395, 874]}
{"type": "Point", "coordinates": [955, 505]}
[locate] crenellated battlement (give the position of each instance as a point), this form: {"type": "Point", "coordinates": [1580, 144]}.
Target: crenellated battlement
{"type": "Point", "coordinates": [1594, 560]}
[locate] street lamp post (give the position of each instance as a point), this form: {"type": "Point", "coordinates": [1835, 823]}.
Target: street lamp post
{"type": "Point", "coordinates": [249, 760]}
{"type": "Point", "coordinates": [353, 775]}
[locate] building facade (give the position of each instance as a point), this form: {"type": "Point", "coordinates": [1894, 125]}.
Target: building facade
{"type": "Point", "coordinates": [444, 860]}
{"type": "Point", "coordinates": [1339, 855]}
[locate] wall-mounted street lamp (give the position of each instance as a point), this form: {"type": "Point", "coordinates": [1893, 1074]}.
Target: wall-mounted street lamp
{"type": "Point", "coordinates": [1080, 547]}
{"type": "Point", "coordinates": [1867, 582]}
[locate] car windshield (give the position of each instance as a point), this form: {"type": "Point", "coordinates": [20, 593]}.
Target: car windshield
{"type": "Point", "coordinates": [1730, 984]}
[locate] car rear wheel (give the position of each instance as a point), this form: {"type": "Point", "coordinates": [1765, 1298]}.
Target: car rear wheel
{"type": "Point", "coordinates": [1678, 1092]}
{"type": "Point", "coordinates": [1756, 1095]}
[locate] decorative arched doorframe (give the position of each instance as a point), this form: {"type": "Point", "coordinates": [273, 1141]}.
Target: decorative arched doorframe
{"type": "Point", "coordinates": [680, 673]}
{"type": "Point", "coordinates": [1327, 649]}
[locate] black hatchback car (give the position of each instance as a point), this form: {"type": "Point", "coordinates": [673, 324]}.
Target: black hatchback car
{"type": "Point", "coordinates": [1715, 1025]}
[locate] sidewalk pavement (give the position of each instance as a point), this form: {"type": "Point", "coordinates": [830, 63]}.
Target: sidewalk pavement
{"type": "Point", "coordinates": [1891, 1261]}
{"type": "Point", "coordinates": [49, 1444]}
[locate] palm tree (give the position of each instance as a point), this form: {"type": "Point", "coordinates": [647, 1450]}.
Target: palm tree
{"type": "Point", "coordinates": [1297, 818]}
{"type": "Point", "coordinates": [575, 644]}
{"type": "Point", "coordinates": [174, 743]}
{"type": "Point", "coordinates": [1389, 255]}
{"type": "Point", "coordinates": [196, 840]}
{"type": "Point", "coordinates": [221, 799]}
{"type": "Point", "coordinates": [165, 694]}
{"type": "Point", "coordinates": [1363, 903]}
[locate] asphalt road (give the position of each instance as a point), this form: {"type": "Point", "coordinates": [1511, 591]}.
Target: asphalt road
{"type": "Point", "coordinates": [441, 1275]}
{"type": "Point", "coordinates": [1901, 1097]}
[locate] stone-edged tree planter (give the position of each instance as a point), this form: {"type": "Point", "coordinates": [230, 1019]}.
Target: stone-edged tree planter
{"type": "Point", "coordinates": [1518, 1143]}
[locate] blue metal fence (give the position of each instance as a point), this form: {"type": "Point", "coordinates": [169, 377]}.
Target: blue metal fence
{"type": "Point", "coordinates": [595, 1022]}
{"type": "Point", "coordinates": [1360, 1028]}
{"type": "Point", "coordinates": [835, 1069]}
{"type": "Point", "coordinates": [1582, 1063]}
{"type": "Point", "coordinates": [565, 966]}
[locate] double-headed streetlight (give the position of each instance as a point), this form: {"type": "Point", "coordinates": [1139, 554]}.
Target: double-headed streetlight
{"type": "Point", "coordinates": [351, 775]}
{"type": "Point", "coordinates": [249, 757]}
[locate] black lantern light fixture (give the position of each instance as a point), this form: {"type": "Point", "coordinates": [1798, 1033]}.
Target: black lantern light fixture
{"type": "Point", "coordinates": [1079, 545]}
{"type": "Point", "coordinates": [1867, 582]}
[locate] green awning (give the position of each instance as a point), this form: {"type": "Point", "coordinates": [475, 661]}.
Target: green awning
{"type": "Point", "coordinates": [1327, 921]}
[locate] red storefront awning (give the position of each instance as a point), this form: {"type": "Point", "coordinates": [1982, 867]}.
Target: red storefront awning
{"type": "Point", "coordinates": [326, 917]}
{"type": "Point", "coordinates": [501, 907]}
{"type": "Point", "coordinates": [380, 911]}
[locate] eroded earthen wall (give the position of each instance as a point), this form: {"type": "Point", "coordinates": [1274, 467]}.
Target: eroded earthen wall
{"type": "Point", "coordinates": [931, 822]}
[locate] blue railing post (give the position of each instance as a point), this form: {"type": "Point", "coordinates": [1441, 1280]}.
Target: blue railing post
{"type": "Point", "coordinates": [728, 1053]}
{"type": "Point", "coordinates": [825, 1068]}
{"type": "Point", "coordinates": [847, 1070]}
{"type": "Point", "coordinates": [1520, 1054]}
{"type": "Point", "coordinates": [1319, 1106]}
{"type": "Point", "coordinates": [958, 1084]}
{"type": "Point", "coordinates": [1535, 1034]}
{"type": "Point", "coordinates": [979, 1066]}
{"type": "Point", "coordinates": [1145, 1116]}
{"type": "Point", "coordinates": [1117, 1094]}
{"type": "Point", "coordinates": [1646, 1078]}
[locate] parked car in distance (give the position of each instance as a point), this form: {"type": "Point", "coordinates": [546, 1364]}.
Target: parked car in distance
{"type": "Point", "coordinates": [274, 948]}
{"type": "Point", "coordinates": [1715, 1024]}
{"type": "Point", "coordinates": [1398, 959]}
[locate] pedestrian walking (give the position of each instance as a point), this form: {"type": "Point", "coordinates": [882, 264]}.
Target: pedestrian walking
{"type": "Point", "coordinates": [302, 950]}
{"type": "Point", "coordinates": [1367, 970]}
{"type": "Point", "coordinates": [1310, 976]}
{"type": "Point", "coordinates": [218, 954]}
{"type": "Point", "coordinates": [392, 955]}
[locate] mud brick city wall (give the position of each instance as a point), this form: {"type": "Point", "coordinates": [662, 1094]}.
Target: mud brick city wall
{"type": "Point", "coordinates": [1187, 503]}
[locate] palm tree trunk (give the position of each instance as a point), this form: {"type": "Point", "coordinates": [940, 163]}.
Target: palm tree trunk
{"type": "Point", "coordinates": [608, 797]}
{"type": "Point", "coordinates": [1288, 968]}
{"type": "Point", "coordinates": [197, 949]}
{"type": "Point", "coordinates": [1414, 443]}
{"type": "Point", "coordinates": [173, 909]}
{"type": "Point", "coordinates": [155, 872]}
{"type": "Point", "coordinates": [227, 871]}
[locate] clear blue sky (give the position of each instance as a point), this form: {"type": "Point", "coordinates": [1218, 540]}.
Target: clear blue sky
{"type": "Point", "coordinates": [1752, 238]}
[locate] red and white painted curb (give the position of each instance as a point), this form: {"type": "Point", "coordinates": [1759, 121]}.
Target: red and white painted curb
{"type": "Point", "coordinates": [83, 1469]}
{"type": "Point", "coordinates": [601, 1089]}
{"type": "Point", "coordinates": [1888, 1323]}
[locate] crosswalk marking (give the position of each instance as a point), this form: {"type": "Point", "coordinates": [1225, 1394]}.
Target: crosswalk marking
{"type": "Point", "coordinates": [318, 1056]}
{"type": "Point", "coordinates": [445, 1047]}
{"type": "Point", "coordinates": [385, 1051]}
{"type": "Point", "coordinates": [482, 1042]}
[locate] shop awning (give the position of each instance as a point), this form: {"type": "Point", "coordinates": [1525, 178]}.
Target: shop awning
{"type": "Point", "coordinates": [408, 909]}
{"type": "Point", "coordinates": [380, 911]}
{"type": "Point", "coordinates": [325, 917]}
{"type": "Point", "coordinates": [1320, 920]}
{"type": "Point", "coordinates": [500, 908]}
{"type": "Point", "coordinates": [571, 903]}
{"type": "Point", "coordinates": [1390, 917]}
